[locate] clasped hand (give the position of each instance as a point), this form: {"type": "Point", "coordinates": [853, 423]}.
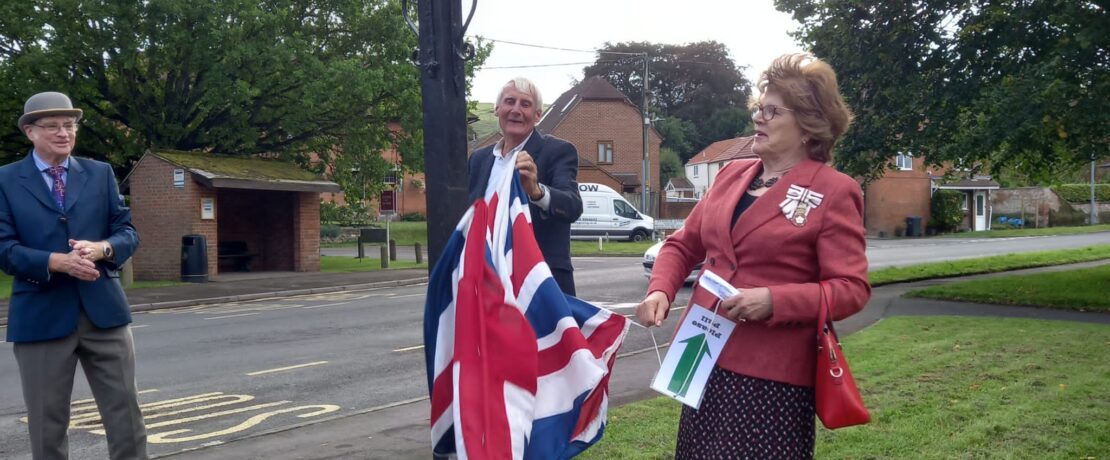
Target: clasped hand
{"type": "Point", "coordinates": [752, 304]}
{"type": "Point", "coordinates": [80, 262]}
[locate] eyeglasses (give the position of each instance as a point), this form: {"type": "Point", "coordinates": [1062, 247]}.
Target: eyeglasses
{"type": "Point", "coordinates": [767, 112]}
{"type": "Point", "coordinates": [54, 128]}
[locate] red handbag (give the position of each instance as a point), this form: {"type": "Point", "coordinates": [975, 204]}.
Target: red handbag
{"type": "Point", "coordinates": [839, 403]}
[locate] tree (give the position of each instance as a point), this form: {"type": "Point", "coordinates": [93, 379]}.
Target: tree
{"type": "Point", "coordinates": [669, 165]}
{"type": "Point", "coordinates": [691, 83]}
{"type": "Point", "coordinates": [994, 85]}
{"type": "Point", "coordinates": [282, 77]}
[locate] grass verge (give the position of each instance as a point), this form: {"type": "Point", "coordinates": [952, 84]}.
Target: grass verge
{"type": "Point", "coordinates": [940, 388]}
{"type": "Point", "coordinates": [351, 264]}
{"type": "Point", "coordinates": [1031, 232]}
{"type": "Point", "coordinates": [1082, 289]}
{"type": "Point", "coordinates": [610, 248]}
{"type": "Point", "coordinates": [6, 285]}
{"type": "Point", "coordinates": [991, 264]}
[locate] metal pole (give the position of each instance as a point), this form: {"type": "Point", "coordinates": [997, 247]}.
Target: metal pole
{"type": "Point", "coordinates": [444, 96]}
{"type": "Point", "coordinates": [647, 125]}
{"type": "Point", "coordinates": [1094, 206]}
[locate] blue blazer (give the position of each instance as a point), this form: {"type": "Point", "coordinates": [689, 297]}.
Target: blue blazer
{"type": "Point", "coordinates": [45, 306]}
{"type": "Point", "coordinates": [557, 165]}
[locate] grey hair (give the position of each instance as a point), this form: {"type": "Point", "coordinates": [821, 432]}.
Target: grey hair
{"type": "Point", "coordinates": [523, 85]}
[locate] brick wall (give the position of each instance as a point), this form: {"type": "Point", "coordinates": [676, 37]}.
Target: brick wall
{"type": "Point", "coordinates": [618, 122]}
{"type": "Point", "coordinates": [163, 214]}
{"type": "Point", "coordinates": [306, 233]}
{"type": "Point", "coordinates": [674, 209]}
{"type": "Point", "coordinates": [897, 195]}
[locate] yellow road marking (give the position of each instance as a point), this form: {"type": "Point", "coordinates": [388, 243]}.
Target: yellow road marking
{"type": "Point", "coordinates": [282, 369]}
{"type": "Point", "coordinates": [409, 348]}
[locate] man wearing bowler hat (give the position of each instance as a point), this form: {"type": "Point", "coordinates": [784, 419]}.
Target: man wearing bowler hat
{"type": "Point", "coordinates": [64, 233]}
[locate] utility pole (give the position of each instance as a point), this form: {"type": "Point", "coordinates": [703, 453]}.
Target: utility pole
{"type": "Point", "coordinates": [440, 59]}
{"type": "Point", "coordinates": [1094, 206]}
{"type": "Point", "coordinates": [645, 208]}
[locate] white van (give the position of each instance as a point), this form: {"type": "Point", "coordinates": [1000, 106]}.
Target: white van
{"type": "Point", "coordinates": [606, 212]}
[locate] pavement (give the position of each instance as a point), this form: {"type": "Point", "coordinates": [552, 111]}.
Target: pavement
{"type": "Point", "coordinates": [400, 430]}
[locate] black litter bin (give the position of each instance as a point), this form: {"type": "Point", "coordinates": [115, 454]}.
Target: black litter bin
{"type": "Point", "coordinates": [913, 226]}
{"type": "Point", "coordinates": [194, 259]}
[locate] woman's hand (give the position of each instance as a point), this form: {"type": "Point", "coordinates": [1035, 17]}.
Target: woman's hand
{"type": "Point", "coordinates": [749, 305]}
{"type": "Point", "coordinates": [653, 310]}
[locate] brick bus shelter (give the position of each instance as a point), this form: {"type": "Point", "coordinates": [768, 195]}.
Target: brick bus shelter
{"type": "Point", "coordinates": [254, 213]}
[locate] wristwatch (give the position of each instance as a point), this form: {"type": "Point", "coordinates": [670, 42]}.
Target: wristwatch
{"type": "Point", "coordinates": [107, 250]}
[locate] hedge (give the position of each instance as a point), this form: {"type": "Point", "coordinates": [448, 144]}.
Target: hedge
{"type": "Point", "coordinates": [1081, 193]}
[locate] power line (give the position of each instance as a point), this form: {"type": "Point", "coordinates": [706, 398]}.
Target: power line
{"type": "Point", "coordinates": [541, 65]}
{"type": "Point", "coordinates": [532, 45]}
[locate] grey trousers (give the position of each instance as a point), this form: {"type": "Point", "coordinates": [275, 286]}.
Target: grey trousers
{"type": "Point", "coordinates": [46, 370]}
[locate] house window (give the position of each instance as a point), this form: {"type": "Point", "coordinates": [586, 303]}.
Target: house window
{"type": "Point", "coordinates": [605, 152]}
{"type": "Point", "coordinates": [980, 205]}
{"type": "Point", "coordinates": [963, 203]}
{"type": "Point", "coordinates": [695, 170]}
{"type": "Point", "coordinates": [904, 161]}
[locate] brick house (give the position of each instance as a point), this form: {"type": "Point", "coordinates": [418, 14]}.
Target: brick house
{"type": "Point", "coordinates": [607, 129]}
{"type": "Point", "coordinates": [270, 207]}
{"type": "Point", "coordinates": [408, 188]}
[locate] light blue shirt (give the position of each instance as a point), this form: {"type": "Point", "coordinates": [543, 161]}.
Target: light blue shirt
{"type": "Point", "coordinates": [42, 167]}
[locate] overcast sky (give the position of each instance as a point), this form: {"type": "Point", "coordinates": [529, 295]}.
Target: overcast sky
{"type": "Point", "coordinates": [753, 30]}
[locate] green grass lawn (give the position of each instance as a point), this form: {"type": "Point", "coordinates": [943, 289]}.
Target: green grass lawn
{"type": "Point", "coordinates": [1031, 232]}
{"type": "Point", "coordinates": [942, 388]}
{"type": "Point", "coordinates": [1083, 289]}
{"type": "Point", "coordinates": [610, 248]}
{"type": "Point", "coordinates": [988, 264]}
{"type": "Point", "coordinates": [351, 264]}
{"type": "Point", "coordinates": [6, 285]}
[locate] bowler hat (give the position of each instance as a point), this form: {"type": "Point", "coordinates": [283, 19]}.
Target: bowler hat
{"type": "Point", "coordinates": [48, 104]}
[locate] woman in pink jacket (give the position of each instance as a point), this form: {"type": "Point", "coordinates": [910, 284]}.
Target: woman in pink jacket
{"type": "Point", "coordinates": [775, 228]}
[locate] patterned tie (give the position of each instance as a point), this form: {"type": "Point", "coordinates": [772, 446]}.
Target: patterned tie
{"type": "Point", "coordinates": [59, 188]}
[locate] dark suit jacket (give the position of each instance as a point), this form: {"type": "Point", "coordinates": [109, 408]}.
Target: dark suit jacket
{"type": "Point", "coordinates": [765, 249]}
{"type": "Point", "coordinates": [45, 305]}
{"type": "Point", "coordinates": [557, 165]}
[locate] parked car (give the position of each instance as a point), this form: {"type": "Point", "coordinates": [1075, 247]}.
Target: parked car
{"type": "Point", "coordinates": [606, 213]}
{"type": "Point", "coordinates": [653, 252]}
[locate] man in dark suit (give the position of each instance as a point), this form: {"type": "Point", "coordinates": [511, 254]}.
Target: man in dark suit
{"type": "Point", "coordinates": [548, 171]}
{"type": "Point", "coordinates": [64, 232]}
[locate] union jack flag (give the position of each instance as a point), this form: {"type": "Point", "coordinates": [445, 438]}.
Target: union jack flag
{"type": "Point", "coordinates": [516, 368]}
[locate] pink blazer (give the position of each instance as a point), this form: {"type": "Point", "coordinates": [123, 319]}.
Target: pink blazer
{"type": "Point", "coordinates": [765, 249]}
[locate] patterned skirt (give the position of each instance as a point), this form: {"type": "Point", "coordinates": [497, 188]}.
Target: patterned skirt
{"type": "Point", "coordinates": [748, 418]}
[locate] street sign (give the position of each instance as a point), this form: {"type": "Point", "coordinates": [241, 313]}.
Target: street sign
{"type": "Point", "coordinates": [387, 202]}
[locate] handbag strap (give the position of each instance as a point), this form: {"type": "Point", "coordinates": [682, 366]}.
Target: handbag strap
{"type": "Point", "coordinates": [824, 315]}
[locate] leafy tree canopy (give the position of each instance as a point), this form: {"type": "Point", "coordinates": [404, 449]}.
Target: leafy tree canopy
{"type": "Point", "coordinates": [283, 77]}
{"type": "Point", "coordinates": [997, 85]}
{"type": "Point", "coordinates": [696, 88]}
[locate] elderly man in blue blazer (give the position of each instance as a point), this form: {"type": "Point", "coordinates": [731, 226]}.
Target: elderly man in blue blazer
{"type": "Point", "coordinates": [64, 232]}
{"type": "Point", "coordinates": [548, 172]}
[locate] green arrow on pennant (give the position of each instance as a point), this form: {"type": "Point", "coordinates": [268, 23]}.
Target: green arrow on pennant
{"type": "Point", "coordinates": [696, 349]}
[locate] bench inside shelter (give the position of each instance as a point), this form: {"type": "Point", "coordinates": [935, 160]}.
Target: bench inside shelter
{"type": "Point", "coordinates": [235, 253]}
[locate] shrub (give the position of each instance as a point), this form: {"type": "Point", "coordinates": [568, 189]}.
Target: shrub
{"type": "Point", "coordinates": [1081, 193]}
{"type": "Point", "coordinates": [945, 213]}
{"type": "Point", "coordinates": [329, 231]}
{"type": "Point", "coordinates": [412, 217]}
